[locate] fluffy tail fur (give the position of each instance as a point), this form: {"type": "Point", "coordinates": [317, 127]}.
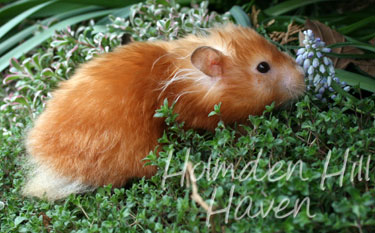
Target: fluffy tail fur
{"type": "Point", "coordinates": [44, 183]}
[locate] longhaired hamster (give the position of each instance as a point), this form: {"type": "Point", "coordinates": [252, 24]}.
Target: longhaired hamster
{"type": "Point", "coordinates": [98, 126]}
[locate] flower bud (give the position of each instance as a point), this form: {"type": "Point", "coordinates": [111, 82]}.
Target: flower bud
{"type": "Point", "coordinates": [310, 70]}
{"type": "Point", "coordinates": [310, 33]}
{"type": "Point", "coordinates": [315, 62]}
{"type": "Point", "coordinates": [299, 59]}
{"type": "Point", "coordinates": [300, 51]}
{"type": "Point", "coordinates": [322, 69]}
{"type": "Point", "coordinates": [306, 64]}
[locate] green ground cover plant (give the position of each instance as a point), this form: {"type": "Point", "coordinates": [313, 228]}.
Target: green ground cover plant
{"type": "Point", "coordinates": [308, 167]}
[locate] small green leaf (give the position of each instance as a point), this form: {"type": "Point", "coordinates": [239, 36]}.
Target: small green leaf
{"type": "Point", "coordinates": [240, 16]}
{"type": "Point", "coordinates": [21, 100]}
{"type": "Point", "coordinates": [57, 43]}
{"type": "Point", "coordinates": [10, 78]}
{"type": "Point", "coordinates": [15, 64]}
{"type": "Point", "coordinates": [19, 220]}
{"type": "Point", "coordinates": [48, 72]}
{"type": "Point", "coordinates": [219, 192]}
{"type": "Point", "coordinates": [165, 103]}
{"type": "Point", "coordinates": [213, 113]}
{"type": "Point", "coordinates": [158, 114]}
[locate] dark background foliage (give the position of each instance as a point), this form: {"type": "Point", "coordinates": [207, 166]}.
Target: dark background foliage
{"type": "Point", "coordinates": [307, 131]}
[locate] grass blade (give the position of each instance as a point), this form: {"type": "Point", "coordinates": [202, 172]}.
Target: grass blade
{"type": "Point", "coordinates": [13, 9]}
{"type": "Point", "coordinates": [355, 44]}
{"type": "Point", "coordinates": [105, 3]}
{"type": "Point", "coordinates": [353, 79]}
{"type": "Point", "coordinates": [122, 12]}
{"type": "Point", "coordinates": [240, 16]}
{"type": "Point", "coordinates": [37, 40]}
{"type": "Point", "coordinates": [367, 37]}
{"type": "Point", "coordinates": [357, 25]}
{"type": "Point", "coordinates": [70, 5]}
{"type": "Point", "coordinates": [288, 6]}
{"type": "Point", "coordinates": [57, 8]}
{"type": "Point", "coordinates": [20, 36]}
{"type": "Point", "coordinates": [352, 56]}
{"type": "Point", "coordinates": [15, 21]}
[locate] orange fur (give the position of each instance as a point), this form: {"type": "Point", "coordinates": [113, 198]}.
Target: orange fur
{"type": "Point", "coordinates": [99, 125]}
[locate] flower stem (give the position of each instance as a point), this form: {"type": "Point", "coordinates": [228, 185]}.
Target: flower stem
{"type": "Point", "coordinates": [339, 90]}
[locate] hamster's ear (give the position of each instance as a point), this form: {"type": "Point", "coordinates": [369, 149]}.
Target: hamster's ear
{"type": "Point", "coordinates": [208, 60]}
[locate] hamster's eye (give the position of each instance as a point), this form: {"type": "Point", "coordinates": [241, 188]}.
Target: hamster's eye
{"type": "Point", "coordinates": [263, 67]}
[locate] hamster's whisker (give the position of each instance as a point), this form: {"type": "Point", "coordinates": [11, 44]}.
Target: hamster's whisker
{"type": "Point", "coordinates": [184, 93]}
{"type": "Point", "coordinates": [293, 94]}
{"type": "Point", "coordinates": [208, 92]}
{"type": "Point", "coordinates": [183, 58]}
{"type": "Point", "coordinates": [171, 78]}
{"type": "Point", "coordinates": [157, 60]}
{"type": "Point", "coordinates": [296, 91]}
{"type": "Point", "coordinates": [188, 74]}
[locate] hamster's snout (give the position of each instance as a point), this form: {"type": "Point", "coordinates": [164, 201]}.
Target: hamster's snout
{"type": "Point", "coordinates": [294, 81]}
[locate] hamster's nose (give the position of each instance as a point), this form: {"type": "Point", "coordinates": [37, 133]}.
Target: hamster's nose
{"type": "Point", "coordinates": [300, 70]}
{"type": "Point", "coordinates": [293, 81]}
{"type": "Point", "coordinates": [299, 79]}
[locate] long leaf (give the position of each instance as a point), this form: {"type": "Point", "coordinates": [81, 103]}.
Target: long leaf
{"type": "Point", "coordinates": [353, 79]}
{"type": "Point", "coordinates": [355, 44]}
{"type": "Point", "coordinates": [15, 21]}
{"type": "Point", "coordinates": [106, 3]}
{"type": "Point", "coordinates": [357, 25]}
{"type": "Point", "coordinates": [287, 19]}
{"type": "Point", "coordinates": [353, 56]}
{"type": "Point", "coordinates": [73, 4]}
{"type": "Point", "coordinates": [57, 8]}
{"type": "Point", "coordinates": [367, 37]}
{"type": "Point", "coordinates": [20, 36]}
{"type": "Point", "coordinates": [240, 16]}
{"type": "Point", "coordinates": [37, 40]}
{"type": "Point", "coordinates": [13, 9]}
{"type": "Point", "coordinates": [288, 6]}
{"type": "Point", "coordinates": [121, 12]}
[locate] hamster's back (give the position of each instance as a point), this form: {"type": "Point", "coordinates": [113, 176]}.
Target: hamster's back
{"type": "Point", "coordinates": [99, 125]}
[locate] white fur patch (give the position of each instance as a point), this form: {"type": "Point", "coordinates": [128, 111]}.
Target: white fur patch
{"type": "Point", "coordinates": [46, 184]}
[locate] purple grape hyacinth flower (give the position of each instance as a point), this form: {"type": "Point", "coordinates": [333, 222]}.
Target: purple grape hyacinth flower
{"type": "Point", "coordinates": [318, 68]}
